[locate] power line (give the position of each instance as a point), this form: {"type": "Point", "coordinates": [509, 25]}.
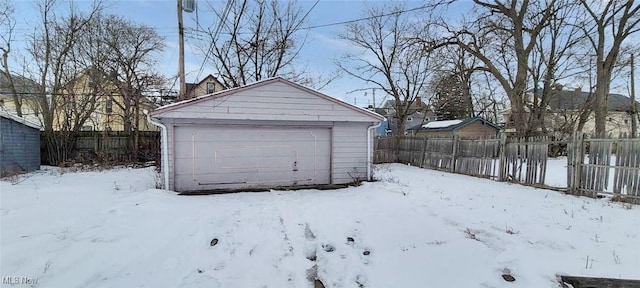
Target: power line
{"type": "Point", "coordinates": [366, 18]}
{"type": "Point", "coordinates": [225, 13]}
{"type": "Point", "coordinates": [341, 22]}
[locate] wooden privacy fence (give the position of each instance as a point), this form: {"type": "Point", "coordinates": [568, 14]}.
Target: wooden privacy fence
{"type": "Point", "coordinates": [610, 166]}
{"type": "Point", "coordinates": [113, 146]}
{"type": "Point", "coordinates": [471, 157]}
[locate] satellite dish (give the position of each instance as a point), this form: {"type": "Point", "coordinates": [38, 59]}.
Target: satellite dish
{"type": "Point", "coordinates": [188, 5]}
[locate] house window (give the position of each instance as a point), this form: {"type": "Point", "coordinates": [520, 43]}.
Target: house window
{"type": "Point", "coordinates": [108, 106]}
{"type": "Point", "coordinates": [211, 87]}
{"type": "Point", "coordinates": [87, 128]}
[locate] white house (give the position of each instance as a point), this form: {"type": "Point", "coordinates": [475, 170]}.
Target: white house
{"type": "Point", "coordinates": [268, 134]}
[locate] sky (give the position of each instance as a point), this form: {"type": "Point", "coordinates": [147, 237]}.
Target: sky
{"type": "Point", "coordinates": [322, 47]}
{"type": "Point", "coordinates": [318, 55]}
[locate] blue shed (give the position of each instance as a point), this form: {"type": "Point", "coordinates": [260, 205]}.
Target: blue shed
{"type": "Point", "coordinates": [19, 145]}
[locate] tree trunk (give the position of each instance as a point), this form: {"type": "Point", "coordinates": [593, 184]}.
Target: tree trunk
{"type": "Point", "coordinates": [600, 104]}
{"type": "Point", "coordinates": [519, 115]}
{"type": "Point", "coordinates": [14, 93]}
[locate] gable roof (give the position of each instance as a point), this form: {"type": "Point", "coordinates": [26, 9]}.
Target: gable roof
{"type": "Point", "coordinates": [23, 85]}
{"type": "Point", "coordinates": [450, 125]}
{"type": "Point", "coordinates": [575, 100]}
{"type": "Point", "coordinates": [192, 86]}
{"type": "Point", "coordinates": [231, 91]}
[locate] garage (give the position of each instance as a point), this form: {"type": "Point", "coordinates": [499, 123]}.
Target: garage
{"type": "Point", "coordinates": [273, 133]}
{"type": "Point", "coordinates": [226, 157]}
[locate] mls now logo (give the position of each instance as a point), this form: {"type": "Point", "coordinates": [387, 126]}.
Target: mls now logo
{"type": "Point", "coordinates": [19, 280]}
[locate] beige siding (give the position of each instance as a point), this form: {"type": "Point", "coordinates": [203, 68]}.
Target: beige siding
{"type": "Point", "coordinates": [476, 129]}
{"type": "Point", "coordinates": [473, 130]}
{"type": "Point", "coordinates": [435, 134]}
{"type": "Point", "coordinates": [272, 101]}
{"type": "Point", "coordinates": [349, 154]}
{"type": "Point", "coordinates": [201, 89]}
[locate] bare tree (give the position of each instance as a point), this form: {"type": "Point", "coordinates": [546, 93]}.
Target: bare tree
{"type": "Point", "coordinates": [609, 24]}
{"type": "Point", "coordinates": [388, 58]}
{"type": "Point", "coordinates": [130, 55]}
{"type": "Point", "coordinates": [254, 40]}
{"type": "Point", "coordinates": [7, 25]}
{"type": "Point", "coordinates": [53, 49]}
{"type": "Point", "coordinates": [131, 62]}
{"type": "Point", "coordinates": [502, 37]}
{"type": "Point", "coordinates": [553, 59]}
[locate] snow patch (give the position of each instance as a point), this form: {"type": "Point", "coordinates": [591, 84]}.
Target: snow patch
{"type": "Point", "coordinates": [413, 228]}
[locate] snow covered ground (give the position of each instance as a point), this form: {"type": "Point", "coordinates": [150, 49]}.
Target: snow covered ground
{"type": "Point", "coordinates": [419, 227]}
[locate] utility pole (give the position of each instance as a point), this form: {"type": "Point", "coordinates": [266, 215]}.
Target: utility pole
{"type": "Point", "coordinates": [634, 108]}
{"type": "Point", "coordinates": [374, 99]}
{"type": "Point", "coordinates": [183, 85]}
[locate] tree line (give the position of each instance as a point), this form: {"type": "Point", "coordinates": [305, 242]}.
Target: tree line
{"type": "Point", "coordinates": [511, 46]}
{"type": "Point", "coordinates": [465, 62]}
{"type": "Point", "coordinates": [74, 61]}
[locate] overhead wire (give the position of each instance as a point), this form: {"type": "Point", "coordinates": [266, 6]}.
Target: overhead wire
{"type": "Point", "coordinates": [225, 14]}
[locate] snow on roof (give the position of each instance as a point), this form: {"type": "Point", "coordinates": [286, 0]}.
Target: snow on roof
{"type": "Point", "coordinates": [442, 124]}
{"type": "Point", "coordinates": [8, 115]}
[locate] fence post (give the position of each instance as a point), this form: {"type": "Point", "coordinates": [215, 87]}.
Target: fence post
{"type": "Point", "coordinates": [453, 153]}
{"type": "Point", "coordinates": [502, 156]}
{"type": "Point", "coordinates": [578, 158]}
{"type": "Point", "coordinates": [424, 151]}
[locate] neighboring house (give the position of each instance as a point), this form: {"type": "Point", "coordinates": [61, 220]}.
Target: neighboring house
{"type": "Point", "coordinates": [267, 134]}
{"type": "Point", "coordinates": [109, 112]}
{"type": "Point", "coordinates": [383, 129]}
{"type": "Point", "coordinates": [27, 91]}
{"type": "Point", "coordinates": [565, 107]}
{"type": "Point", "coordinates": [208, 85]}
{"type": "Point", "coordinates": [476, 127]}
{"type": "Point", "coordinates": [109, 115]}
{"type": "Point", "coordinates": [19, 144]}
{"type": "Point", "coordinates": [419, 113]}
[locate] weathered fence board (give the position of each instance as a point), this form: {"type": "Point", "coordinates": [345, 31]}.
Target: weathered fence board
{"type": "Point", "coordinates": [114, 146]}
{"type": "Point", "coordinates": [525, 160]}
{"type": "Point", "coordinates": [385, 150]}
{"type": "Point", "coordinates": [439, 153]}
{"type": "Point", "coordinates": [477, 157]}
{"type": "Point", "coordinates": [594, 166]}
{"type": "Point", "coordinates": [411, 151]}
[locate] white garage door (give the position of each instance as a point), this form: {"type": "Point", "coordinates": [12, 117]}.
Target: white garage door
{"type": "Point", "coordinates": [241, 157]}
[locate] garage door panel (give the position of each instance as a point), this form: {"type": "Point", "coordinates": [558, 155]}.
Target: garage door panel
{"type": "Point", "coordinates": [255, 179]}
{"type": "Point", "coordinates": [208, 157]}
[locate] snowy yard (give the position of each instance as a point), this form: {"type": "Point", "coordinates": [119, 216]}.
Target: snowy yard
{"type": "Point", "coordinates": [419, 227]}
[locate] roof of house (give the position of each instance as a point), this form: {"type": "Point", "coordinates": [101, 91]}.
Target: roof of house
{"type": "Point", "coordinates": [8, 115]}
{"type": "Point", "coordinates": [441, 124]}
{"type": "Point", "coordinates": [412, 108]}
{"type": "Point", "coordinates": [22, 85]}
{"type": "Point", "coordinates": [575, 100]}
{"type": "Point", "coordinates": [449, 125]}
{"type": "Point", "coordinates": [231, 91]}
{"type": "Point", "coordinates": [192, 86]}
